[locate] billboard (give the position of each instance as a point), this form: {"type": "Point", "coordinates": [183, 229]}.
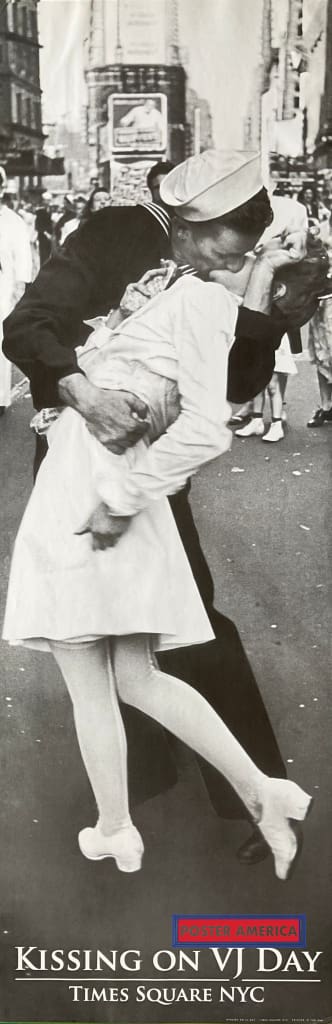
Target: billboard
{"type": "Point", "coordinates": [144, 31]}
{"type": "Point", "coordinates": [128, 182]}
{"type": "Point", "coordinates": [138, 123]}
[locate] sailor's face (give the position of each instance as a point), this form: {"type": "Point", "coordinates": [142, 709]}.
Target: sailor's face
{"type": "Point", "coordinates": [212, 247]}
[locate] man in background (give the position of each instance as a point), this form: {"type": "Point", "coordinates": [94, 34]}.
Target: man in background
{"type": "Point", "coordinates": [156, 175]}
{"type": "Point", "coordinates": [15, 272]}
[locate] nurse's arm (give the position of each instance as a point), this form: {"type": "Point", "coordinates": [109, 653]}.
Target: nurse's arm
{"type": "Point", "coordinates": [200, 432]}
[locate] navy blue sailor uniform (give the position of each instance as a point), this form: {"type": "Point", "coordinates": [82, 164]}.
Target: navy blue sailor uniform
{"type": "Point", "coordinates": [85, 278]}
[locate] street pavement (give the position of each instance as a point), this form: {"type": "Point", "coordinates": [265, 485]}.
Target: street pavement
{"type": "Point", "coordinates": [263, 515]}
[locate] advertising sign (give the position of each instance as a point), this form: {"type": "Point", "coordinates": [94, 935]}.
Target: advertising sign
{"type": "Point", "coordinates": [144, 31]}
{"type": "Point", "coordinates": [138, 123]}
{"type": "Point", "coordinates": [128, 182]}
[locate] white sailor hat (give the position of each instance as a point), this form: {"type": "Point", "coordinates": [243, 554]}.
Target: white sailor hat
{"type": "Point", "coordinates": [212, 184]}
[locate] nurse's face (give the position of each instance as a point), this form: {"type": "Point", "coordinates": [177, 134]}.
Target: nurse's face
{"type": "Point", "coordinates": [211, 246]}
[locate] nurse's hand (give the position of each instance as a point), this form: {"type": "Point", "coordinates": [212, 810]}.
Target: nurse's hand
{"type": "Point", "coordinates": [139, 292]}
{"type": "Point", "coordinates": [105, 528]}
{"type": "Point", "coordinates": [284, 249]}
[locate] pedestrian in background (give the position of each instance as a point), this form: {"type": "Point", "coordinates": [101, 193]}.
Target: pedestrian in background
{"type": "Point", "coordinates": [74, 222]}
{"type": "Point", "coordinates": [276, 390]}
{"type": "Point", "coordinates": [44, 228]}
{"type": "Point", "coordinates": [68, 213]}
{"type": "Point", "coordinates": [98, 199]}
{"type": "Point", "coordinates": [15, 273]}
{"type": "Point", "coordinates": [308, 199]}
{"type": "Point", "coordinates": [320, 351]}
{"type": "Point", "coordinates": [155, 177]}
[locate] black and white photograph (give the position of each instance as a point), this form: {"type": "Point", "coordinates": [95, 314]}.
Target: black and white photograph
{"type": "Point", "coordinates": [165, 431]}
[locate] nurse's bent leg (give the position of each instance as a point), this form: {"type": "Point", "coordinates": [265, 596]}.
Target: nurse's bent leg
{"type": "Point", "coordinates": [179, 708]}
{"type": "Point", "coordinates": [271, 802]}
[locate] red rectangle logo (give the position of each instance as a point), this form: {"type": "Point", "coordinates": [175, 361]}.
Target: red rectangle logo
{"type": "Point", "coordinates": [239, 931]}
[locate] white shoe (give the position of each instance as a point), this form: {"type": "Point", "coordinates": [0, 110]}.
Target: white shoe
{"type": "Point", "coordinates": [284, 416]}
{"type": "Point", "coordinates": [283, 803]}
{"type": "Point", "coordinates": [126, 846]}
{"type": "Point", "coordinates": [275, 433]}
{"type": "Point", "coordinates": [236, 419]}
{"type": "Point", "coordinates": [255, 426]}
{"type": "Point", "coordinates": [242, 415]}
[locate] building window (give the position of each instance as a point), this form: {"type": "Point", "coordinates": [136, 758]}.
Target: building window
{"type": "Point", "coordinates": [26, 60]}
{"type": "Point", "coordinates": [33, 24]}
{"type": "Point", "coordinates": [18, 108]}
{"type": "Point", "coordinates": [33, 116]}
{"type": "Point", "coordinates": [297, 96]}
{"type": "Point", "coordinates": [33, 64]}
{"type": "Point", "coordinates": [10, 18]}
{"type": "Point", "coordinates": [24, 21]}
{"type": "Point", "coordinates": [28, 111]}
{"type": "Point", "coordinates": [37, 117]}
{"type": "Point", "coordinates": [15, 17]}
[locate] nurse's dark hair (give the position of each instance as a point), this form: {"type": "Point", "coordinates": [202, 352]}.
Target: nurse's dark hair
{"type": "Point", "coordinates": [310, 275]}
{"type": "Point", "coordinates": [314, 268]}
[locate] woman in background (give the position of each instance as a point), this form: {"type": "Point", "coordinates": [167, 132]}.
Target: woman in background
{"type": "Point", "coordinates": [98, 199]}
{"type": "Point", "coordinates": [276, 390]}
{"type": "Point", "coordinates": [320, 351]}
{"type": "Point", "coordinates": [74, 222]}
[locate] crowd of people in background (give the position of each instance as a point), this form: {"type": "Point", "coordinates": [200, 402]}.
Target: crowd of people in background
{"type": "Point", "coordinates": [52, 217]}
{"type": "Point", "coordinates": [49, 220]}
{"type": "Point", "coordinates": [249, 421]}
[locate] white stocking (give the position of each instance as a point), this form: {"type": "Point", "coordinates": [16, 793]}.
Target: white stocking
{"type": "Point", "coordinates": [87, 672]}
{"type": "Point", "coordinates": [187, 714]}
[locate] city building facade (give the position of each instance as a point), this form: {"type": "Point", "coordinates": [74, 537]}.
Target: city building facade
{"type": "Point", "coordinates": [290, 110]}
{"type": "Point", "coordinates": [21, 133]}
{"type": "Point", "coordinates": [323, 151]}
{"type": "Point", "coordinates": [140, 107]}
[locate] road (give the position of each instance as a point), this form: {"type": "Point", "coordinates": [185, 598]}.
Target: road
{"type": "Point", "coordinates": [262, 513]}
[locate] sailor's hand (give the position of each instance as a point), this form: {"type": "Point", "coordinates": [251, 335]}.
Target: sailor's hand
{"type": "Point", "coordinates": [116, 418]}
